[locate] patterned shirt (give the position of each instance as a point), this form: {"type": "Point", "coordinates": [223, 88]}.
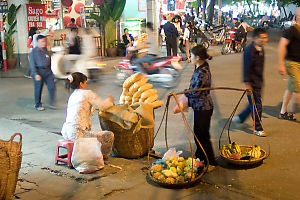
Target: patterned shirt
{"type": "Point", "coordinates": [201, 78]}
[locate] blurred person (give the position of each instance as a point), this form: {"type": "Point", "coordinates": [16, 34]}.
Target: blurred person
{"type": "Point", "coordinates": [32, 42]}
{"type": "Point", "coordinates": [150, 51]}
{"type": "Point", "coordinates": [72, 24]}
{"type": "Point", "coordinates": [81, 105]}
{"type": "Point", "coordinates": [73, 42]}
{"type": "Point", "coordinates": [253, 66]}
{"type": "Point", "coordinates": [171, 36]}
{"type": "Point", "coordinates": [88, 45]}
{"type": "Point", "coordinates": [32, 31]}
{"type": "Point", "coordinates": [201, 103]}
{"type": "Point", "coordinates": [289, 48]}
{"type": "Point", "coordinates": [188, 41]}
{"type": "Point", "coordinates": [40, 65]}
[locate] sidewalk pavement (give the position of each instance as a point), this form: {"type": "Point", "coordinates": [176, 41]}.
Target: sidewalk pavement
{"type": "Point", "coordinates": [276, 178]}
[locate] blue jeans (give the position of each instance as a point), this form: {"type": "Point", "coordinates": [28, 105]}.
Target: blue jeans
{"type": "Point", "coordinates": [249, 109]}
{"type": "Point", "coordinates": [48, 78]}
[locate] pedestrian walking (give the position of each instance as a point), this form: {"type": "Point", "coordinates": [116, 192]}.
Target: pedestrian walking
{"type": "Point", "coordinates": [253, 66]}
{"type": "Point", "coordinates": [188, 40]}
{"type": "Point", "coordinates": [171, 36]}
{"type": "Point", "coordinates": [201, 102]}
{"type": "Point", "coordinates": [289, 48]}
{"type": "Point", "coordinates": [40, 65]}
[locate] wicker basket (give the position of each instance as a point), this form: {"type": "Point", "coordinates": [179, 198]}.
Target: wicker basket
{"type": "Point", "coordinates": [252, 161]}
{"type": "Point", "coordinates": [128, 144]}
{"type": "Point", "coordinates": [180, 185]}
{"type": "Point", "coordinates": [10, 164]}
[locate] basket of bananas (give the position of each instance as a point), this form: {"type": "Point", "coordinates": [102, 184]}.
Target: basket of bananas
{"type": "Point", "coordinates": [177, 171]}
{"type": "Point", "coordinates": [242, 154]}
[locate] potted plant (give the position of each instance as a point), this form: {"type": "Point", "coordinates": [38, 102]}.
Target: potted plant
{"type": "Point", "coordinates": [11, 23]}
{"type": "Point", "coordinates": [110, 12]}
{"type": "Point", "coordinates": [112, 49]}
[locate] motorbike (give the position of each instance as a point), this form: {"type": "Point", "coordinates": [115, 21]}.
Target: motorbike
{"type": "Point", "coordinates": [64, 64]}
{"type": "Point", "coordinates": [231, 44]}
{"type": "Point", "coordinates": [162, 70]}
{"type": "Point", "coordinates": [215, 35]}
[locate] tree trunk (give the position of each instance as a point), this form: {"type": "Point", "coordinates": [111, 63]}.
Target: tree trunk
{"type": "Point", "coordinates": [211, 11]}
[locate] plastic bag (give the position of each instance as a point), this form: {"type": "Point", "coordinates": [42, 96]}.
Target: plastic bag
{"type": "Point", "coordinates": [171, 153]}
{"type": "Point", "coordinates": [87, 156]}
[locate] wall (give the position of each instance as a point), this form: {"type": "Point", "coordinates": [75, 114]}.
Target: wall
{"type": "Point", "coordinates": [22, 30]}
{"type": "Point", "coordinates": [131, 10]}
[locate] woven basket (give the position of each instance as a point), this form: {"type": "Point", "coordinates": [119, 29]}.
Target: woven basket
{"type": "Point", "coordinates": [10, 164]}
{"type": "Point", "coordinates": [180, 185]}
{"type": "Point", "coordinates": [128, 144]}
{"type": "Point", "coordinates": [252, 161]}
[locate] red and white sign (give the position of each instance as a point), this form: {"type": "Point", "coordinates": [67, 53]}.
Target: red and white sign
{"type": "Point", "coordinates": [36, 15]}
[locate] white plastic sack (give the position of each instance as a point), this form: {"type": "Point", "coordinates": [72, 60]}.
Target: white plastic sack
{"type": "Point", "coordinates": [87, 156]}
{"type": "Point", "coordinates": [170, 153]}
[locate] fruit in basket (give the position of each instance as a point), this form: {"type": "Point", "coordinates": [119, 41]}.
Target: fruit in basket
{"type": "Point", "coordinates": [179, 170]}
{"type": "Point", "coordinates": [255, 152]}
{"type": "Point", "coordinates": [236, 156]}
{"type": "Point", "coordinates": [190, 176]}
{"type": "Point", "coordinates": [173, 169]}
{"type": "Point", "coordinates": [161, 178]}
{"type": "Point", "coordinates": [157, 175]}
{"type": "Point", "coordinates": [180, 179]}
{"type": "Point", "coordinates": [170, 180]}
{"type": "Point", "coordinates": [181, 159]}
{"type": "Point", "coordinates": [167, 173]}
{"type": "Point", "coordinates": [156, 168]}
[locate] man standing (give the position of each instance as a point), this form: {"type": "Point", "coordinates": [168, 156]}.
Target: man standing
{"type": "Point", "coordinates": [253, 78]}
{"type": "Point", "coordinates": [289, 47]}
{"type": "Point", "coordinates": [40, 65]}
{"type": "Point", "coordinates": [171, 36]}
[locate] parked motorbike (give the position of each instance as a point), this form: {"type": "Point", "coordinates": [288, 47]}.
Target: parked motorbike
{"type": "Point", "coordinates": [215, 35]}
{"type": "Point", "coordinates": [231, 44]}
{"type": "Point", "coordinates": [162, 70]}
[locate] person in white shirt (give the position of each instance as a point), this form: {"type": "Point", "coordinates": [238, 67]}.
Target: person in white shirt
{"type": "Point", "coordinates": [187, 41]}
{"type": "Point", "coordinates": [81, 104]}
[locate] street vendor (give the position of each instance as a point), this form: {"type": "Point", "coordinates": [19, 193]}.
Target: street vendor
{"type": "Point", "coordinates": [201, 102]}
{"type": "Point", "coordinates": [81, 104]}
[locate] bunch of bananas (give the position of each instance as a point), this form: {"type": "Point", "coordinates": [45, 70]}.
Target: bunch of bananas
{"type": "Point", "coordinates": [233, 151]}
{"type": "Point", "coordinates": [233, 148]}
{"type": "Point", "coordinates": [254, 152]}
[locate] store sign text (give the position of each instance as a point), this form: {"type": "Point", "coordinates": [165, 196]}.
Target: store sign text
{"type": "Point", "coordinates": [36, 15]}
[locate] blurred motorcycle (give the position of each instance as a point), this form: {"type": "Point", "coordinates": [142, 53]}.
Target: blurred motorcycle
{"type": "Point", "coordinates": [162, 70]}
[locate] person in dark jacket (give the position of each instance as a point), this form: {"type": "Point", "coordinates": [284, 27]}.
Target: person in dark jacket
{"type": "Point", "coordinates": [171, 37]}
{"type": "Point", "coordinates": [127, 38]}
{"type": "Point", "coordinates": [254, 59]}
{"type": "Point", "coordinates": [40, 66]}
{"type": "Point", "coordinates": [201, 102]}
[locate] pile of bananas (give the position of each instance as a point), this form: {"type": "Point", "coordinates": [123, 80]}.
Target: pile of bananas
{"type": "Point", "coordinates": [254, 152]}
{"type": "Point", "coordinates": [233, 151]}
{"type": "Point", "coordinates": [176, 170]}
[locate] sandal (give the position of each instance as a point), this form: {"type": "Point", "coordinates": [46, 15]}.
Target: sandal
{"type": "Point", "coordinates": [287, 116]}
